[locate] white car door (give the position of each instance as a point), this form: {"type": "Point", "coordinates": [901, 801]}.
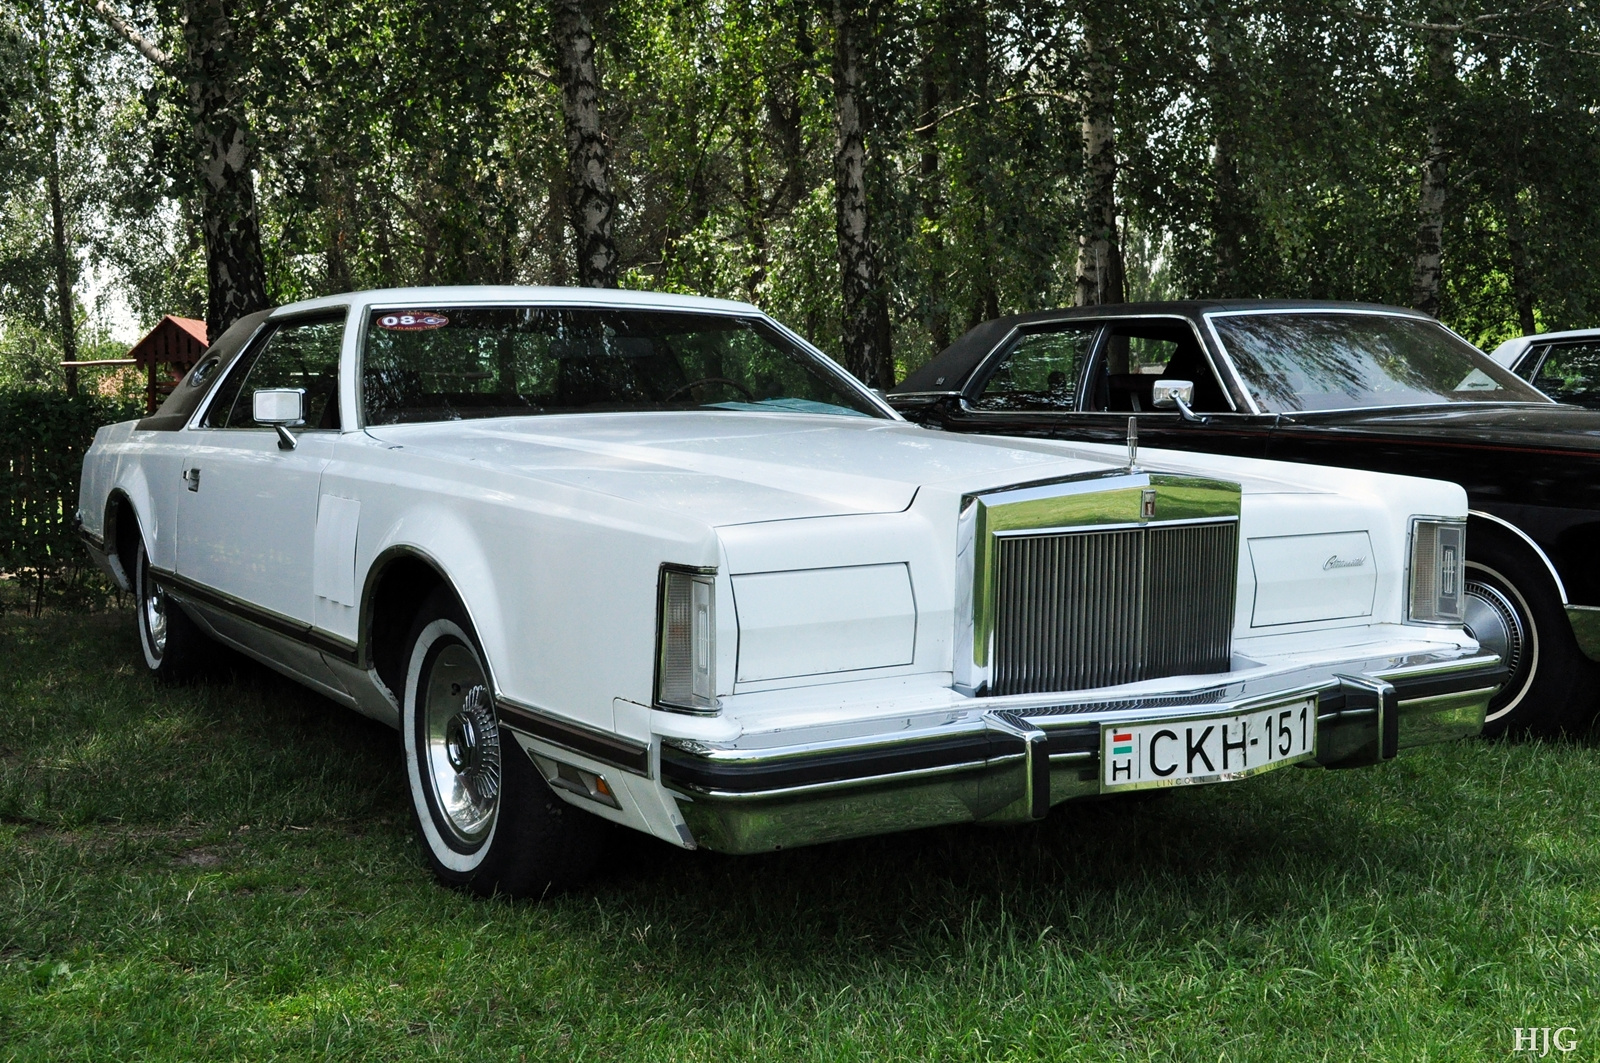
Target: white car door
{"type": "Point", "coordinates": [247, 511]}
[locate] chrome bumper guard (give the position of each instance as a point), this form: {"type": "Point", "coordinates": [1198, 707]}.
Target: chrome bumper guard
{"type": "Point", "coordinates": [1000, 762]}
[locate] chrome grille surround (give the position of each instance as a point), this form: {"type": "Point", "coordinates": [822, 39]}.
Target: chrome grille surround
{"type": "Point", "coordinates": [1096, 581]}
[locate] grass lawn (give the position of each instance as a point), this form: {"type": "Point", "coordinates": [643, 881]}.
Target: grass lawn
{"type": "Point", "coordinates": [227, 871]}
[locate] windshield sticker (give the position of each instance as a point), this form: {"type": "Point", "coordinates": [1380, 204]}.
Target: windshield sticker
{"type": "Point", "coordinates": [1477, 380]}
{"type": "Point", "coordinates": [412, 321]}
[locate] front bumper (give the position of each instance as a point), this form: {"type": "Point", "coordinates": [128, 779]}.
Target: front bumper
{"type": "Point", "coordinates": [1011, 759]}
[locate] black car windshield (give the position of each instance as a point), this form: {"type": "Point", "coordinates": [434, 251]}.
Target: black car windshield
{"type": "Point", "coordinates": [1296, 361]}
{"type": "Point", "coordinates": [450, 363]}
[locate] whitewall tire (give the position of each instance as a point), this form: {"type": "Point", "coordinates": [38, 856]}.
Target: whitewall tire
{"type": "Point", "coordinates": [486, 819]}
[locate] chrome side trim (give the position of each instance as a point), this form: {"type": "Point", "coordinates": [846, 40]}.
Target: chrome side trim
{"type": "Point", "coordinates": [604, 746]}
{"type": "Point", "coordinates": [287, 626]}
{"type": "Point", "coordinates": [1585, 621]}
{"type": "Point", "coordinates": [1561, 588]}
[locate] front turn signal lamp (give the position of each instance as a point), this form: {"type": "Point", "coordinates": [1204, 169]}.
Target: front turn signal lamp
{"type": "Point", "coordinates": [686, 640]}
{"type": "Point", "coordinates": [1438, 571]}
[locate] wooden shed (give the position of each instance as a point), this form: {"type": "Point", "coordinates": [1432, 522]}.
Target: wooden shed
{"type": "Point", "coordinates": [164, 354]}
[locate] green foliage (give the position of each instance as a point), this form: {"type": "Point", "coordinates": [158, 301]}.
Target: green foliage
{"type": "Point", "coordinates": [1272, 149]}
{"type": "Point", "coordinates": [43, 437]}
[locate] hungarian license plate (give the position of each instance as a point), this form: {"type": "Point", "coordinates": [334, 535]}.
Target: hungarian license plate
{"type": "Point", "coordinates": [1203, 749]}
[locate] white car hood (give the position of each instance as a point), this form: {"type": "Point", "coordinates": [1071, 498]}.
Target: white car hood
{"type": "Point", "coordinates": [733, 468]}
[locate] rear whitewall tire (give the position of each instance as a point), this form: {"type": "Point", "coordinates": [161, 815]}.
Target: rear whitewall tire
{"type": "Point", "coordinates": [173, 645]}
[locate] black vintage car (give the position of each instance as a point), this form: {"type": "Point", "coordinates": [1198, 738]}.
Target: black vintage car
{"type": "Point", "coordinates": [1357, 385]}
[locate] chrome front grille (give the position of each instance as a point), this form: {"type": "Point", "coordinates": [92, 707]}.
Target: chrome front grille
{"type": "Point", "coordinates": [1080, 609]}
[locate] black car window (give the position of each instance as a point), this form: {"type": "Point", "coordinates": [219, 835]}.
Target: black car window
{"type": "Point", "coordinates": [1328, 360]}
{"type": "Point", "coordinates": [299, 354]}
{"type": "Point", "coordinates": [1039, 371]}
{"type": "Point", "coordinates": [1570, 372]}
{"type": "Point", "coordinates": [1135, 354]}
{"type": "Point", "coordinates": [450, 363]}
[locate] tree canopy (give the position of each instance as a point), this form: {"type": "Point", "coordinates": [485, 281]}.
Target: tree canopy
{"type": "Point", "coordinates": [879, 174]}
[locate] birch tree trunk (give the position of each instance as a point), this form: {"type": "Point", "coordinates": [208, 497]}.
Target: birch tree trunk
{"type": "Point", "coordinates": [1428, 283]}
{"type": "Point", "coordinates": [591, 203]}
{"type": "Point", "coordinates": [235, 272]}
{"type": "Point", "coordinates": [62, 248]}
{"type": "Point", "coordinates": [210, 73]}
{"type": "Point", "coordinates": [1100, 273]}
{"type": "Point", "coordinates": [866, 348]}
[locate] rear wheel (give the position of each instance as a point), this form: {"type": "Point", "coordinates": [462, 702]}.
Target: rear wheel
{"type": "Point", "coordinates": [1512, 608]}
{"type": "Point", "coordinates": [174, 646]}
{"type": "Point", "coordinates": [487, 820]}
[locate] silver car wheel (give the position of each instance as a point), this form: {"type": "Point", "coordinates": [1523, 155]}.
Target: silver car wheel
{"type": "Point", "coordinates": [155, 617]}
{"type": "Point", "coordinates": [461, 745]}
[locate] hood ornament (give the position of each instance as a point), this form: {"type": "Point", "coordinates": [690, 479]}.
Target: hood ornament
{"type": "Point", "coordinates": [1133, 444]}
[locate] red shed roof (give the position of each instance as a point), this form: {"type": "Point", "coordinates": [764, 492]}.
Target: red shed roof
{"type": "Point", "coordinates": [176, 341]}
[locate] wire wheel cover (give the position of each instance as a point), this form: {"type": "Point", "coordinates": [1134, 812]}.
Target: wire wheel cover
{"type": "Point", "coordinates": [460, 752]}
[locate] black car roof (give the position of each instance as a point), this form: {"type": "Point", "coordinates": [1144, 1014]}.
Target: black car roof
{"type": "Point", "coordinates": [950, 367]}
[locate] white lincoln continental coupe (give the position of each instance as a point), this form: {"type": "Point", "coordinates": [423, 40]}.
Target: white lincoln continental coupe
{"type": "Point", "coordinates": [655, 560]}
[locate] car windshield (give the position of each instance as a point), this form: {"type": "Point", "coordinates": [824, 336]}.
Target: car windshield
{"type": "Point", "coordinates": [449, 363]}
{"type": "Point", "coordinates": [1340, 361]}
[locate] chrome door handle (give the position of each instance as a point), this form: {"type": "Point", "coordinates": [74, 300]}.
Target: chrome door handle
{"type": "Point", "coordinates": [191, 477]}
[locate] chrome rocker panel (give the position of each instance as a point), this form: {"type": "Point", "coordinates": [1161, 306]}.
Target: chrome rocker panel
{"type": "Point", "coordinates": [994, 763]}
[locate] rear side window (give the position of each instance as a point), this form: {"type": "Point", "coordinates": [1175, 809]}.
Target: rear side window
{"type": "Point", "coordinates": [1040, 371]}
{"type": "Point", "coordinates": [298, 354]}
{"type": "Point", "coordinates": [1570, 372]}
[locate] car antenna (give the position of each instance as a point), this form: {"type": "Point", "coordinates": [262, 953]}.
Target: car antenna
{"type": "Point", "coordinates": [1133, 444]}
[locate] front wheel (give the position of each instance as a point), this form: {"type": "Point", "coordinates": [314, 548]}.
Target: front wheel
{"type": "Point", "coordinates": [1512, 609]}
{"type": "Point", "coordinates": [487, 820]}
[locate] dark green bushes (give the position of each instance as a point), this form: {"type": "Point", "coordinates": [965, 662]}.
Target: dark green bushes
{"type": "Point", "coordinates": [43, 437]}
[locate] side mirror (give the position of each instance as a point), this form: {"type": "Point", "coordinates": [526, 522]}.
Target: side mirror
{"type": "Point", "coordinates": [279, 407]}
{"type": "Point", "coordinates": [1167, 394]}
{"type": "Point", "coordinates": [275, 406]}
